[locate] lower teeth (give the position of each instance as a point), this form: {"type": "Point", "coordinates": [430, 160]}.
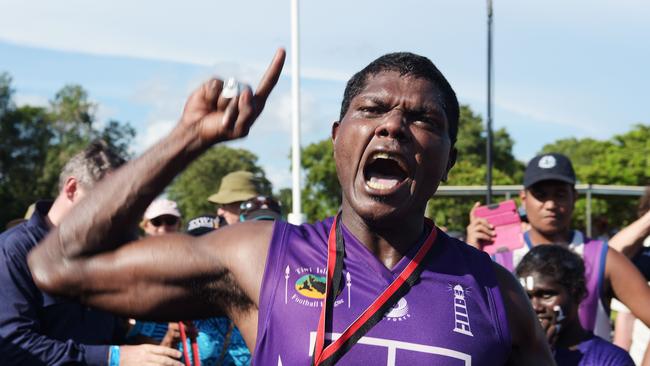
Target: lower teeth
{"type": "Point", "coordinates": [381, 185]}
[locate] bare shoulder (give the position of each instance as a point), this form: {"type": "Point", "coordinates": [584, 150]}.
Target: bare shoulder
{"type": "Point", "coordinates": [529, 345]}
{"type": "Point", "coordinates": [514, 297]}
{"type": "Point", "coordinates": [615, 261]}
{"type": "Point", "coordinates": [242, 249]}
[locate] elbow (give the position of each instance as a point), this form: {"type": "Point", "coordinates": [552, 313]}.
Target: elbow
{"type": "Point", "coordinates": [51, 275]}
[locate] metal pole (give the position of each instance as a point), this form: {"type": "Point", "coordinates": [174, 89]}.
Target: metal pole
{"type": "Point", "coordinates": [588, 211]}
{"type": "Point", "coordinates": [488, 152]}
{"type": "Point", "coordinates": [295, 217]}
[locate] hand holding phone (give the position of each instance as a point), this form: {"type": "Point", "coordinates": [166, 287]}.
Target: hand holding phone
{"type": "Point", "coordinates": [503, 216]}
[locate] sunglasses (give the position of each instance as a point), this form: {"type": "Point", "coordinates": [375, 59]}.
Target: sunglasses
{"type": "Point", "coordinates": [167, 220]}
{"type": "Point", "coordinates": [259, 203]}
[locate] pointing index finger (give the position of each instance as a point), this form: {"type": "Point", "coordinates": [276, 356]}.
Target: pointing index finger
{"type": "Point", "coordinates": [270, 78]}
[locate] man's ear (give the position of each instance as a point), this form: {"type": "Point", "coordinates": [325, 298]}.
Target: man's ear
{"type": "Point", "coordinates": [70, 188]}
{"type": "Point", "coordinates": [335, 130]}
{"type": "Point", "coordinates": [453, 154]}
{"type": "Point", "coordinates": [575, 195]}
{"type": "Point", "coordinates": [522, 198]}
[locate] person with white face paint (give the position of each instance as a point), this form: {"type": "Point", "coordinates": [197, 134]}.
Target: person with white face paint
{"type": "Point", "coordinates": [554, 278]}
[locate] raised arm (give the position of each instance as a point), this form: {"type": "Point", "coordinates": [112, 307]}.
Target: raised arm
{"type": "Point", "coordinates": [529, 343]}
{"type": "Point", "coordinates": [91, 256]}
{"type": "Point", "coordinates": [630, 239]}
{"type": "Point", "coordinates": [628, 284]}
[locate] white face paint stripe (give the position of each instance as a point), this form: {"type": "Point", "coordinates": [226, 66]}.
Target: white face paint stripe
{"type": "Point", "coordinates": [530, 283]}
{"type": "Point", "coordinates": [560, 312]}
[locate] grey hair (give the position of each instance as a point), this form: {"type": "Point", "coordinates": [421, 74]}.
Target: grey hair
{"type": "Point", "coordinates": [91, 164]}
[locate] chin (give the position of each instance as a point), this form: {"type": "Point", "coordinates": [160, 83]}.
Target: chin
{"type": "Point", "coordinates": [385, 210]}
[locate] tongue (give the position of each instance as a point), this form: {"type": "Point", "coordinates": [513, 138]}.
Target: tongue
{"type": "Point", "coordinates": [379, 181]}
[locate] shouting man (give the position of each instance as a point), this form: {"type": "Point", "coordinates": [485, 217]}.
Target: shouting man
{"type": "Point", "coordinates": [377, 284]}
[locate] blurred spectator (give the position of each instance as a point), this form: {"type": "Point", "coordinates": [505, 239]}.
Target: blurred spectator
{"type": "Point", "coordinates": [161, 217]}
{"type": "Point", "coordinates": [219, 341]}
{"type": "Point", "coordinates": [39, 329]}
{"type": "Point", "coordinates": [235, 188]}
{"type": "Point", "coordinates": [554, 278]}
{"type": "Point", "coordinates": [634, 242]}
{"type": "Point", "coordinates": [260, 208]}
{"type": "Point", "coordinates": [549, 198]}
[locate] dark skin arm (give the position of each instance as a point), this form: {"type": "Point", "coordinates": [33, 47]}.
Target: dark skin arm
{"type": "Point", "coordinates": [630, 239]}
{"type": "Point", "coordinates": [628, 285]}
{"type": "Point", "coordinates": [529, 343]}
{"type": "Point", "coordinates": [168, 277]}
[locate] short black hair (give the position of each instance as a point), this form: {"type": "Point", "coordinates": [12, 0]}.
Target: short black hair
{"type": "Point", "coordinates": [557, 263]}
{"type": "Point", "coordinates": [406, 64]}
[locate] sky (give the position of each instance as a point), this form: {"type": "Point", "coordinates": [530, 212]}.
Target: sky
{"type": "Point", "coordinates": [561, 68]}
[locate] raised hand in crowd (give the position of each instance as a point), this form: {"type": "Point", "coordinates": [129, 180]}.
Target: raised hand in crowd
{"type": "Point", "coordinates": [478, 229]}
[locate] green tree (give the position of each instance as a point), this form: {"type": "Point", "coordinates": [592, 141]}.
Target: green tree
{"type": "Point", "coordinates": [621, 160]}
{"type": "Point", "coordinates": [203, 177]}
{"type": "Point", "coordinates": [322, 191]}
{"type": "Point", "coordinates": [35, 142]}
{"type": "Point", "coordinates": [470, 169]}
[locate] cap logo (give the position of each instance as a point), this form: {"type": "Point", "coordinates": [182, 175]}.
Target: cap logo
{"type": "Point", "coordinates": [547, 162]}
{"type": "Point", "coordinates": [207, 222]}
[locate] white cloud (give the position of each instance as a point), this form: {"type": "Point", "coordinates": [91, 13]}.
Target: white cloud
{"type": "Point", "coordinates": [280, 176]}
{"type": "Point", "coordinates": [154, 131]}
{"type": "Point", "coordinates": [35, 100]}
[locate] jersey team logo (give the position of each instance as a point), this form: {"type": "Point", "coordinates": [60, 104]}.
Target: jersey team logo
{"type": "Point", "coordinates": [461, 316]}
{"type": "Point", "coordinates": [306, 286]}
{"type": "Point", "coordinates": [398, 312]}
{"type": "Point", "coordinates": [311, 286]}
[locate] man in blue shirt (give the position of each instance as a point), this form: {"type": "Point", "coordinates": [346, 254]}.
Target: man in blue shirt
{"type": "Point", "coordinates": [39, 329]}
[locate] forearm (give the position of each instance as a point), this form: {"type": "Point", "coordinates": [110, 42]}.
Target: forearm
{"type": "Point", "coordinates": [629, 238]}
{"type": "Point", "coordinates": [116, 205]}
{"type": "Point", "coordinates": [108, 216]}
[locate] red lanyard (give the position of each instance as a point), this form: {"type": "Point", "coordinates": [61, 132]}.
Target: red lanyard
{"type": "Point", "coordinates": [194, 345]}
{"type": "Point", "coordinates": [325, 356]}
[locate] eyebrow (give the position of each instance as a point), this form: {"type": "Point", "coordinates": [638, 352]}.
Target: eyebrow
{"type": "Point", "coordinates": [428, 108]}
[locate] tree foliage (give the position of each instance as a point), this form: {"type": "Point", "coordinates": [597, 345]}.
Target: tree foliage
{"type": "Point", "coordinates": [470, 169]}
{"type": "Point", "coordinates": [203, 177]}
{"type": "Point", "coordinates": [322, 191]}
{"type": "Point", "coordinates": [621, 160]}
{"type": "Point", "coordinates": [35, 143]}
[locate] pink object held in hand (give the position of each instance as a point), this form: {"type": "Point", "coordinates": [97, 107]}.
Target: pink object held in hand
{"type": "Point", "coordinates": [507, 226]}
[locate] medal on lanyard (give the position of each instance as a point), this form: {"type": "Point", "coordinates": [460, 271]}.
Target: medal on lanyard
{"type": "Point", "coordinates": [325, 356]}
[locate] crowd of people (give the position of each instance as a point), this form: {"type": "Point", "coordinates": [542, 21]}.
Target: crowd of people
{"type": "Point", "coordinates": [106, 274]}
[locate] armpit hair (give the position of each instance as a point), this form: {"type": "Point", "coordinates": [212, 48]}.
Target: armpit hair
{"type": "Point", "coordinates": [222, 292]}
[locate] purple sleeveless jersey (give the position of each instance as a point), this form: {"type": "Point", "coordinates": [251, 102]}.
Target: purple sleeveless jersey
{"type": "Point", "coordinates": [593, 316]}
{"type": "Point", "coordinates": [594, 351]}
{"type": "Point", "coordinates": [454, 315]}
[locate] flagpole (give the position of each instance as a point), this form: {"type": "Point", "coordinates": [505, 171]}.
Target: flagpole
{"type": "Point", "coordinates": [295, 217]}
{"type": "Point", "coordinates": [489, 105]}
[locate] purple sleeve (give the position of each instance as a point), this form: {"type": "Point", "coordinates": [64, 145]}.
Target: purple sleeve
{"type": "Point", "coordinates": [21, 342]}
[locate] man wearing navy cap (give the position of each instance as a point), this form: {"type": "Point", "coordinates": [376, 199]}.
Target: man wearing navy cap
{"type": "Point", "coordinates": [549, 198]}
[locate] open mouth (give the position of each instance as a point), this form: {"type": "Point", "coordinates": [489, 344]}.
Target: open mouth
{"type": "Point", "coordinates": [385, 172]}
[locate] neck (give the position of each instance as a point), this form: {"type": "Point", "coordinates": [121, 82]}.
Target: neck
{"type": "Point", "coordinates": [571, 336]}
{"type": "Point", "coordinates": [388, 241]}
{"type": "Point", "coordinates": [561, 237]}
{"type": "Point", "coordinates": [59, 207]}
